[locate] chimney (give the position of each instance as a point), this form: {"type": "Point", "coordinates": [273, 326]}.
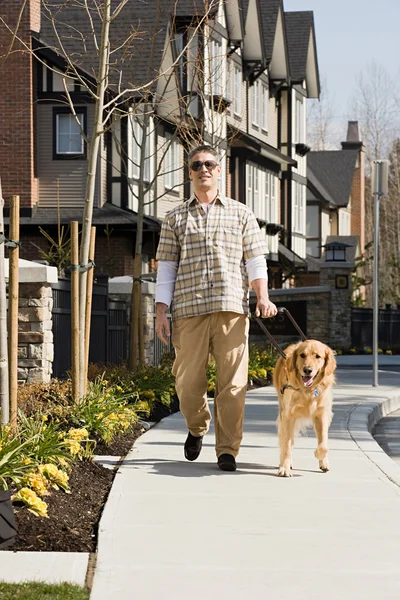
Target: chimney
{"type": "Point", "coordinates": [353, 142]}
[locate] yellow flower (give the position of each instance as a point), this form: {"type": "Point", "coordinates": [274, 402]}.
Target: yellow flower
{"type": "Point", "coordinates": [37, 482]}
{"type": "Point", "coordinates": [74, 447]}
{"type": "Point", "coordinates": [55, 475]}
{"type": "Point", "coordinates": [262, 373]}
{"type": "Point", "coordinates": [145, 377]}
{"type": "Point", "coordinates": [27, 461]}
{"type": "Point", "coordinates": [32, 500]}
{"type": "Point", "coordinates": [44, 417]}
{"type": "Point", "coordinates": [78, 434]}
{"type": "Point", "coordinates": [118, 388]}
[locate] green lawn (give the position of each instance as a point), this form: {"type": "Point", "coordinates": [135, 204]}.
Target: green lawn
{"type": "Point", "coordinates": [42, 591]}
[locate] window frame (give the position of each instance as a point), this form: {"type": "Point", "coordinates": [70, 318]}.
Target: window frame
{"type": "Point", "coordinates": [171, 177]}
{"type": "Point", "coordinates": [255, 112]}
{"type": "Point", "coordinates": [237, 96]}
{"type": "Point", "coordinates": [69, 155]}
{"type": "Point", "coordinates": [265, 106]}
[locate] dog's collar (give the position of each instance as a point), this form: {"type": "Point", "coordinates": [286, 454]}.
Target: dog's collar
{"type": "Point", "coordinates": [288, 386]}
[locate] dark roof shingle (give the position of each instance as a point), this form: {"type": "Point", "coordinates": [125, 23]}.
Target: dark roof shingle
{"type": "Point", "coordinates": [298, 29]}
{"type": "Point", "coordinates": [269, 10]}
{"type": "Point", "coordinates": [334, 170]}
{"type": "Point", "coordinates": [145, 23]}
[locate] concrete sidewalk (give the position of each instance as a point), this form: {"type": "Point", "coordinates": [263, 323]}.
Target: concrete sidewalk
{"type": "Point", "coordinates": [187, 531]}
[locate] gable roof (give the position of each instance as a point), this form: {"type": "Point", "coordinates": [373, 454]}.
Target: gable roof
{"type": "Point", "coordinates": [272, 24]}
{"type": "Point", "coordinates": [146, 23]}
{"type": "Point", "coordinates": [302, 49]}
{"type": "Point", "coordinates": [331, 172]}
{"type": "Point", "coordinates": [269, 10]}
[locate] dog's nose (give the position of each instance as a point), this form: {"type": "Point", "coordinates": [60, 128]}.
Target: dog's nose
{"type": "Point", "coordinates": [307, 370]}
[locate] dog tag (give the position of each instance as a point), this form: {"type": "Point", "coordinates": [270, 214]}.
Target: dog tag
{"type": "Point", "coordinates": [316, 393]}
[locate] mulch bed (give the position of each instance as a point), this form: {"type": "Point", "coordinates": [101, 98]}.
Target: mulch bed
{"type": "Point", "coordinates": [74, 518]}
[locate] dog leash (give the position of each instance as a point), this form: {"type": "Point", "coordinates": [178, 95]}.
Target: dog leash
{"type": "Point", "coordinates": [285, 311]}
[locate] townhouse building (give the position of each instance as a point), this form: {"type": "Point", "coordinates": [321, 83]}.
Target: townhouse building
{"type": "Point", "coordinates": [236, 75]}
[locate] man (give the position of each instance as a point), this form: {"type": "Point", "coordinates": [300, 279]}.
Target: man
{"type": "Point", "coordinates": [206, 246]}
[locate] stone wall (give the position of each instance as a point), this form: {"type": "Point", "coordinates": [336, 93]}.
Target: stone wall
{"type": "Point", "coordinates": [339, 317]}
{"type": "Point", "coordinates": [318, 308]}
{"type": "Point", "coordinates": [328, 305]}
{"type": "Point", "coordinates": [35, 335]}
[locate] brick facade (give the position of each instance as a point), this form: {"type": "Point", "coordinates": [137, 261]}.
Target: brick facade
{"type": "Point", "coordinates": [16, 101]}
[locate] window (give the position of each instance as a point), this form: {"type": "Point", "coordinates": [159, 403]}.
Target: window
{"type": "Point", "coordinates": [58, 82]}
{"type": "Point", "coordinates": [265, 105]}
{"type": "Point", "coordinates": [171, 164]}
{"type": "Point", "coordinates": [68, 139]}
{"type": "Point", "coordinates": [256, 104]}
{"type": "Point", "coordinates": [237, 99]}
{"type": "Point", "coordinates": [216, 67]}
{"type": "Point", "coordinates": [180, 43]}
{"type": "Point", "coordinates": [137, 134]}
{"type": "Point", "coordinates": [344, 222]}
{"type": "Point", "coordinates": [298, 208]}
{"type": "Point", "coordinates": [262, 193]}
{"type": "Point", "coordinates": [270, 198]}
{"type": "Point", "coordinates": [299, 122]}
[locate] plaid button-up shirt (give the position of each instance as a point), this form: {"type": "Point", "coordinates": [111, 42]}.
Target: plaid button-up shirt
{"type": "Point", "coordinates": [211, 251]}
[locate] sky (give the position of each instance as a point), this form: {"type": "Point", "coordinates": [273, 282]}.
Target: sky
{"type": "Point", "coordinates": [350, 35]}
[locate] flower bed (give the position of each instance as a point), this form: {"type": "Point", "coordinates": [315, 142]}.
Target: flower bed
{"type": "Point", "coordinates": [58, 491]}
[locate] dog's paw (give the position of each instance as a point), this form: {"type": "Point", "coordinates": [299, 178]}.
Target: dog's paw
{"type": "Point", "coordinates": [284, 471]}
{"type": "Point", "coordinates": [324, 465]}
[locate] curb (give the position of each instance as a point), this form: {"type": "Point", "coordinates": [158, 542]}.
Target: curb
{"type": "Point", "coordinates": [360, 424]}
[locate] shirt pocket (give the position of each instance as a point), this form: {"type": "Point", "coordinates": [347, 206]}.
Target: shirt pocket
{"type": "Point", "coordinates": [230, 241]}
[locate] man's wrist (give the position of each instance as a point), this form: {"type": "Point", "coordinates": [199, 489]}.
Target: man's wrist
{"type": "Point", "coordinates": [161, 308]}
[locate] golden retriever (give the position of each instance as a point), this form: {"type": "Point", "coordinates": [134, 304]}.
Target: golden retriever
{"type": "Point", "coordinates": [304, 382]}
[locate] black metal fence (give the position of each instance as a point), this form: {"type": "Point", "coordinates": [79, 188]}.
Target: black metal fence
{"type": "Point", "coordinates": [109, 336]}
{"type": "Point", "coordinates": [388, 328]}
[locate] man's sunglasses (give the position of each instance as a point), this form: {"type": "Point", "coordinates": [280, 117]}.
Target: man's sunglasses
{"type": "Point", "coordinates": [209, 164]}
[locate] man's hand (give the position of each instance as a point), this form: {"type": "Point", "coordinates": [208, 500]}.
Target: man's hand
{"type": "Point", "coordinates": [265, 308]}
{"type": "Point", "coordinates": [162, 323]}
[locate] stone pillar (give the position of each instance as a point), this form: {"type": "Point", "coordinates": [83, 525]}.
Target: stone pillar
{"type": "Point", "coordinates": [337, 275]}
{"type": "Point", "coordinates": [35, 332]}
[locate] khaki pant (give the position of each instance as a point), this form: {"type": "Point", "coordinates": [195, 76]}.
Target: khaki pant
{"type": "Point", "coordinates": [225, 336]}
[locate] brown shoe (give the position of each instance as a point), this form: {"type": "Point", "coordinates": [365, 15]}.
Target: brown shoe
{"type": "Point", "coordinates": [227, 462]}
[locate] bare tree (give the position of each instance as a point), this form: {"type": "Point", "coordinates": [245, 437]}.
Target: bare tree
{"type": "Point", "coordinates": [376, 105]}
{"type": "Point", "coordinates": [320, 120]}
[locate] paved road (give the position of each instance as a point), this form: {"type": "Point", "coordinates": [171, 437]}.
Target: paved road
{"type": "Point", "coordinates": [387, 434]}
{"type": "Point", "coordinates": [178, 530]}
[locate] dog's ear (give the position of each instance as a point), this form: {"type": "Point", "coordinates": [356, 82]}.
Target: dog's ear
{"type": "Point", "coordinates": [290, 357]}
{"type": "Point", "coordinates": [330, 362]}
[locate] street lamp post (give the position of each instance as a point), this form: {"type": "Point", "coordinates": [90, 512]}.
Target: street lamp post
{"type": "Point", "coordinates": [380, 170]}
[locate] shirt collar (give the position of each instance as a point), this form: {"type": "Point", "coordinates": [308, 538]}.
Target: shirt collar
{"type": "Point", "coordinates": [219, 197]}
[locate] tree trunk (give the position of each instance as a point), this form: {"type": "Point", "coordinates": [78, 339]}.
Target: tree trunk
{"type": "Point", "coordinates": [137, 344]}
{"type": "Point", "coordinates": [93, 152]}
{"type": "Point", "coordinates": [4, 393]}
